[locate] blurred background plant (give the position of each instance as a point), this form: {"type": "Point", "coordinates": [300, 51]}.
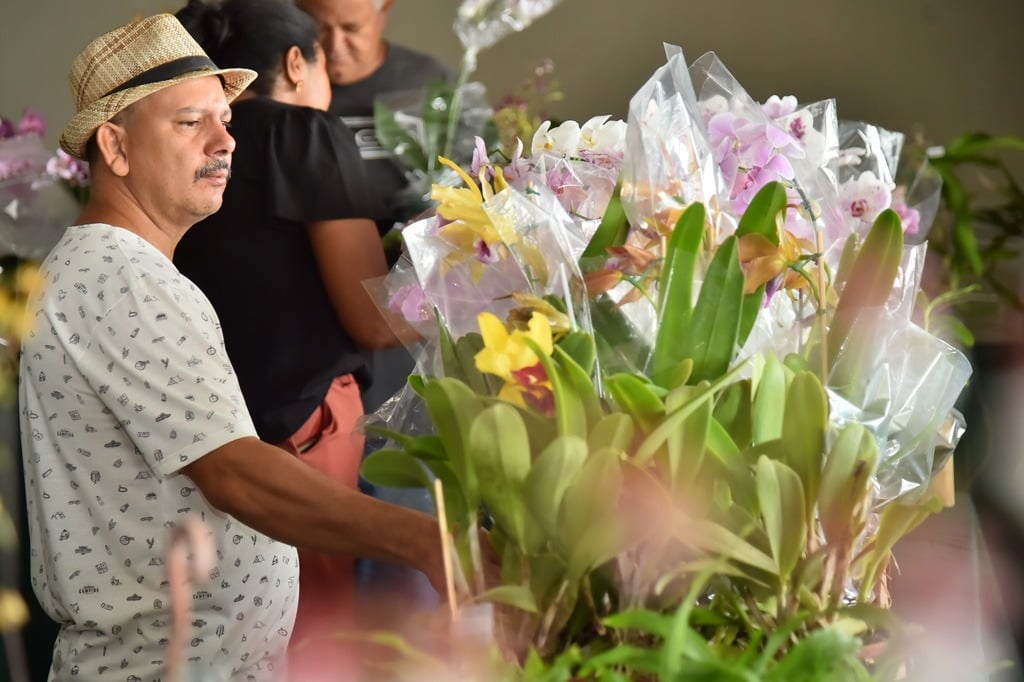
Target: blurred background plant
{"type": "Point", "coordinates": [975, 245]}
{"type": "Point", "coordinates": [40, 195]}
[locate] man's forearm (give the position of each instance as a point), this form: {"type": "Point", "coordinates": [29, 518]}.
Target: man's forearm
{"type": "Point", "coordinates": [276, 494]}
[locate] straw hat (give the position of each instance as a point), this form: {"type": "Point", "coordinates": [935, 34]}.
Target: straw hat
{"type": "Point", "coordinates": [121, 67]}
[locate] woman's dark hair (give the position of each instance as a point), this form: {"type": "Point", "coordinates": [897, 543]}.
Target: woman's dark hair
{"type": "Point", "coordinates": [252, 34]}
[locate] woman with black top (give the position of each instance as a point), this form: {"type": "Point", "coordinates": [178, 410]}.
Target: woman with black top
{"type": "Point", "coordinates": [283, 262]}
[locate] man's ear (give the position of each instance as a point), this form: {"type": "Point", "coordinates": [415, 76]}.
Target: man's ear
{"type": "Point", "coordinates": [112, 145]}
{"type": "Point", "coordinates": [385, 8]}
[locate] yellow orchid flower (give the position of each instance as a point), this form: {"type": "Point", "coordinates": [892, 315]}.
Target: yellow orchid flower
{"type": "Point", "coordinates": [507, 356]}
{"type": "Point", "coordinates": [764, 261]}
{"type": "Point", "coordinates": [470, 228]}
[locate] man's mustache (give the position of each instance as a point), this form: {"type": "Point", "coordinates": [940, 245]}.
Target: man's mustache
{"type": "Point", "coordinates": [214, 167]}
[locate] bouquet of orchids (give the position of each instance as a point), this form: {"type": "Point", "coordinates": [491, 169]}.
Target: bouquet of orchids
{"type": "Point", "coordinates": [670, 364]}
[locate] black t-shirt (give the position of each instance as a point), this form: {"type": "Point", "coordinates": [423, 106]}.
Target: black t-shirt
{"type": "Point", "coordinates": [253, 259]}
{"type": "Point", "coordinates": [403, 71]}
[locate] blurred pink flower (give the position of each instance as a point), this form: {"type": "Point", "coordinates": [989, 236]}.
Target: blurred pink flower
{"type": "Point", "coordinates": [32, 122]}
{"type": "Point", "coordinates": [411, 303]}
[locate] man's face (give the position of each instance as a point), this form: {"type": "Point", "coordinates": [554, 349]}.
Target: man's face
{"type": "Point", "coordinates": [352, 34]}
{"type": "Point", "coordinates": [179, 151]}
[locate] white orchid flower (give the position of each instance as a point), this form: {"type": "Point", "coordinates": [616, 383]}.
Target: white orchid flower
{"type": "Point", "coordinates": [563, 140]}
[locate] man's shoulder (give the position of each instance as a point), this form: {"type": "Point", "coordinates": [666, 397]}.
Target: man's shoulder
{"type": "Point", "coordinates": [408, 58]}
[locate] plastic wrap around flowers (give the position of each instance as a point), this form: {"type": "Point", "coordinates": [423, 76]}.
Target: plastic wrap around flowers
{"type": "Point", "coordinates": [677, 345]}
{"type": "Point", "coordinates": [516, 232]}
{"type": "Point", "coordinates": [38, 190]}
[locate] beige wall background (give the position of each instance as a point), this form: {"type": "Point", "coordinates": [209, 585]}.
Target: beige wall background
{"type": "Point", "coordinates": [940, 67]}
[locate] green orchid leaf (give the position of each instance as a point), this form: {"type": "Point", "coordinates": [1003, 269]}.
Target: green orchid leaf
{"type": "Point", "coordinates": [644, 620]}
{"type": "Point", "coordinates": [845, 482]}
{"type": "Point", "coordinates": [499, 451]}
{"type": "Point", "coordinates": [579, 380]}
{"type": "Point", "coordinates": [518, 596]}
{"type": "Point", "coordinates": [871, 278]}
{"type": "Point", "coordinates": [803, 431]}
{"type": "Point", "coordinates": [711, 339]}
{"type": "Point", "coordinates": [686, 445]}
{"type": "Point", "coordinates": [656, 439]}
{"type": "Point", "coordinates": [457, 357]}
{"type": "Point", "coordinates": [762, 213]}
{"type": "Point", "coordinates": [570, 411]}
{"type": "Point", "coordinates": [719, 541]}
{"type": "Point", "coordinates": [637, 398]}
{"type": "Point", "coordinates": [580, 347]}
{"type": "Point", "coordinates": [588, 522]}
{"type": "Point", "coordinates": [637, 659]}
{"type": "Point", "coordinates": [750, 308]}
{"type": "Point", "coordinates": [780, 494]}
{"type": "Point", "coordinates": [394, 469]}
{"type": "Point", "coordinates": [828, 654]}
{"type": "Point", "coordinates": [422, 447]}
{"type": "Point", "coordinates": [613, 228]}
{"type": "Point", "coordinates": [453, 407]}
{"type": "Point", "coordinates": [733, 412]}
{"type": "Point", "coordinates": [550, 476]}
{"type": "Point", "coordinates": [894, 523]}
{"type": "Point", "coordinates": [769, 403]}
{"type": "Point", "coordinates": [614, 431]}
{"type": "Point", "coordinates": [675, 303]}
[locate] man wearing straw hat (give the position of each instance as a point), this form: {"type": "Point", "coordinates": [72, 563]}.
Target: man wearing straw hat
{"type": "Point", "coordinates": [132, 420]}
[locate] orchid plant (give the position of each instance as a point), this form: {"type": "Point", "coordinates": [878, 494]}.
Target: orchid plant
{"type": "Point", "coordinates": [671, 366]}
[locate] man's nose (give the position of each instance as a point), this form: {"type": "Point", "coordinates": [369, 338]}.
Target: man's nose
{"type": "Point", "coordinates": [222, 142]}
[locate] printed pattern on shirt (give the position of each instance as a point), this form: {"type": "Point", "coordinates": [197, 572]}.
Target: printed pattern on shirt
{"type": "Point", "coordinates": [124, 381]}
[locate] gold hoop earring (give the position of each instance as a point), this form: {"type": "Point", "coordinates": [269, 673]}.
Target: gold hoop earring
{"type": "Point", "coordinates": [298, 86]}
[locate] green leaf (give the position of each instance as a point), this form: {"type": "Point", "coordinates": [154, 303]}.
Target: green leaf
{"type": "Point", "coordinates": [719, 541]}
{"type": "Point", "coordinates": [769, 404]}
{"type": "Point", "coordinates": [613, 228]}
{"type": "Point", "coordinates": [828, 654]}
{"type": "Point", "coordinates": [675, 303]}
{"type": "Point", "coordinates": [803, 431]}
{"type": "Point", "coordinates": [637, 398]}
{"type": "Point", "coordinates": [711, 339]}
{"type": "Point", "coordinates": [763, 211]}
{"type": "Point", "coordinates": [394, 469]}
{"type": "Point", "coordinates": [518, 596]}
{"type": "Point", "coordinates": [550, 476]}
{"type": "Point", "coordinates": [845, 482]}
{"type": "Point", "coordinates": [570, 411]}
{"type": "Point", "coordinates": [499, 450]}
{"type": "Point", "coordinates": [614, 431]}
{"type": "Point", "coordinates": [672, 420]}
{"type": "Point", "coordinates": [781, 496]}
{"type": "Point", "coordinates": [579, 380]}
{"type": "Point", "coordinates": [686, 444]}
{"type": "Point", "coordinates": [750, 308]}
{"type": "Point", "coordinates": [733, 412]}
{"type": "Point", "coordinates": [453, 407]}
{"type": "Point", "coordinates": [588, 521]}
{"type": "Point", "coordinates": [579, 346]}
{"type": "Point", "coordinates": [871, 277]}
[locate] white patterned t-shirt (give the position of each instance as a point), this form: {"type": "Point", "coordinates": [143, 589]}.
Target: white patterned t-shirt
{"type": "Point", "coordinates": [124, 380]}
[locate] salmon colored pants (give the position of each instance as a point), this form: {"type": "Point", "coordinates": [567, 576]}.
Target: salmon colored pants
{"type": "Point", "coordinates": [329, 442]}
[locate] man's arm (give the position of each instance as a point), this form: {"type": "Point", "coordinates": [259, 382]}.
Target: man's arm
{"type": "Point", "coordinates": [273, 492]}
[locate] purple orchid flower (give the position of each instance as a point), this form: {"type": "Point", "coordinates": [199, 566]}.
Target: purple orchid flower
{"type": "Point", "coordinates": [32, 122]}
{"type": "Point", "coordinates": [6, 128]}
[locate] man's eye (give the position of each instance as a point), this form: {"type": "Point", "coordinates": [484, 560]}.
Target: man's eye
{"type": "Point", "coordinates": [226, 124]}
{"type": "Point", "coordinates": [189, 124]}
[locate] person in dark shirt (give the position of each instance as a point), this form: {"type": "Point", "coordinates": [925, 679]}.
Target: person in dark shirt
{"type": "Point", "coordinates": [283, 262]}
{"type": "Point", "coordinates": [363, 67]}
